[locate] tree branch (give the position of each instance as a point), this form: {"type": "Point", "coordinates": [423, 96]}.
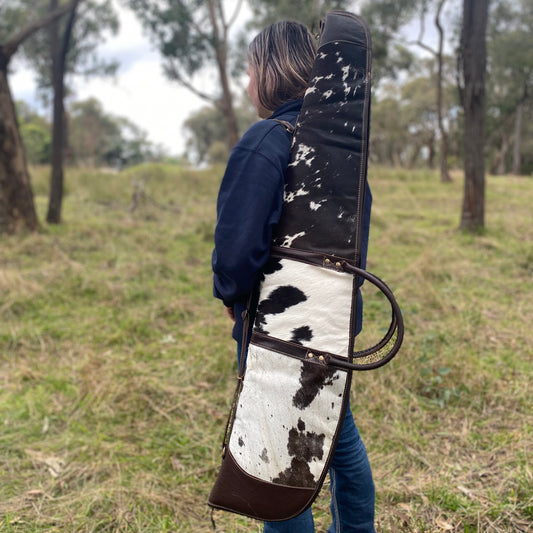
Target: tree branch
{"type": "Point", "coordinates": [12, 44]}
{"type": "Point", "coordinates": [194, 24]}
{"type": "Point", "coordinates": [234, 15]}
{"type": "Point", "coordinates": [176, 74]}
{"type": "Point", "coordinates": [222, 15]}
{"type": "Point", "coordinates": [68, 33]}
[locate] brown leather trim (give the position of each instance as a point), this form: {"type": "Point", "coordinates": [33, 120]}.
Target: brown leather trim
{"type": "Point", "coordinates": [238, 492]}
{"type": "Point", "coordinates": [297, 351]}
{"type": "Point", "coordinates": [277, 345]}
{"type": "Point", "coordinates": [311, 258]}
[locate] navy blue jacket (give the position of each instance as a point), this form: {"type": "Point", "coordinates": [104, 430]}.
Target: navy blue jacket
{"type": "Point", "coordinates": [249, 206]}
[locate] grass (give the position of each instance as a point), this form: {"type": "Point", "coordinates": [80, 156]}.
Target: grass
{"type": "Point", "coordinates": [117, 368]}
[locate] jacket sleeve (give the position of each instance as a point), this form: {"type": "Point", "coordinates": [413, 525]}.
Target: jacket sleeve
{"type": "Point", "coordinates": [249, 205]}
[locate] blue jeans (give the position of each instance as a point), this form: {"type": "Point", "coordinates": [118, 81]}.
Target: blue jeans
{"type": "Point", "coordinates": [352, 488]}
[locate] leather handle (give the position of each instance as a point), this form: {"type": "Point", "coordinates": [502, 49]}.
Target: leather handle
{"type": "Point", "coordinates": [379, 354]}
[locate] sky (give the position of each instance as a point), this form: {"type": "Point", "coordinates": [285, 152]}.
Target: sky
{"type": "Point", "coordinates": [139, 91]}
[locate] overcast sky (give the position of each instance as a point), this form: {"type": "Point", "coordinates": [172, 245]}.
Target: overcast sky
{"type": "Point", "coordinates": [140, 91]}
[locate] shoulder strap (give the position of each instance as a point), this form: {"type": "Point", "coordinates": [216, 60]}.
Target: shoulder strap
{"type": "Point", "coordinates": [287, 125]}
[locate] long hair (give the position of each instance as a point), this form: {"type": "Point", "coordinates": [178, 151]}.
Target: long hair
{"type": "Point", "coordinates": [282, 57]}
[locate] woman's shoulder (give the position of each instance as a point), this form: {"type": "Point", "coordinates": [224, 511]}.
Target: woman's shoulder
{"type": "Point", "coordinates": [265, 143]}
{"type": "Point", "coordinates": [264, 134]}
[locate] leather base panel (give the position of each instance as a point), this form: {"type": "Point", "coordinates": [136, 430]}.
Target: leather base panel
{"type": "Point", "coordinates": [234, 489]}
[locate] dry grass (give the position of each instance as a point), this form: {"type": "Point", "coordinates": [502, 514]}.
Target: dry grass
{"type": "Point", "coordinates": [117, 368]}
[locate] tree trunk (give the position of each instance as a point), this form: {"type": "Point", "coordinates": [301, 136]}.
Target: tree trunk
{"type": "Point", "coordinates": [444, 174]}
{"type": "Point", "coordinates": [58, 54]}
{"type": "Point", "coordinates": [56, 180]}
{"type": "Point", "coordinates": [413, 156]}
{"type": "Point", "coordinates": [498, 165]}
{"type": "Point", "coordinates": [431, 152]}
{"type": "Point", "coordinates": [475, 15]}
{"type": "Point", "coordinates": [226, 102]}
{"type": "Point", "coordinates": [17, 210]}
{"type": "Point", "coordinates": [396, 159]}
{"type": "Point", "coordinates": [517, 149]}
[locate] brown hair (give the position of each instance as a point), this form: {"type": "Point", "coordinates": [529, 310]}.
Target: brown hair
{"type": "Point", "coordinates": [281, 57]}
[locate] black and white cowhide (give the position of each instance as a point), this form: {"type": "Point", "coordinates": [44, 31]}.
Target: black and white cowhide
{"type": "Point", "coordinates": [289, 409]}
{"type": "Point", "coordinates": [321, 208]}
{"type": "Point", "coordinates": [306, 304]}
{"type": "Point", "coordinates": [286, 418]}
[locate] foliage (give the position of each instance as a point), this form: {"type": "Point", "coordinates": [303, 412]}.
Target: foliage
{"type": "Point", "coordinates": [510, 60]}
{"type": "Point", "coordinates": [193, 36]}
{"type": "Point", "coordinates": [206, 140]}
{"type": "Point", "coordinates": [101, 139]}
{"type": "Point", "coordinates": [35, 134]}
{"type": "Point", "coordinates": [96, 138]}
{"type": "Point", "coordinates": [385, 18]}
{"type": "Point", "coordinates": [118, 369]}
{"type": "Point", "coordinates": [95, 19]}
{"type": "Point", "coordinates": [308, 12]}
{"type": "Point", "coordinates": [510, 78]}
{"type": "Point", "coordinates": [11, 16]}
{"type": "Point", "coordinates": [37, 142]}
{"type": "Point", "coordinates": [404, 126]}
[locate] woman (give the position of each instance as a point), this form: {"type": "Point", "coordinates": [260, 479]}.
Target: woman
{"type": "Point", "coordinates": [249, 206]}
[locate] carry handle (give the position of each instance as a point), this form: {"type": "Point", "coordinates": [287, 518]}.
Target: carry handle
{"type": "Point", "coordinates": [381, 353]}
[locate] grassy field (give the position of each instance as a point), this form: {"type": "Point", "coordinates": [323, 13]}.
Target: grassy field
{"type": "Point", "coordinates": [117, 368]}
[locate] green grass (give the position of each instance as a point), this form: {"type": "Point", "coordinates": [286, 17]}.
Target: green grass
{"type": "Point", "coordinates": [117, 368]}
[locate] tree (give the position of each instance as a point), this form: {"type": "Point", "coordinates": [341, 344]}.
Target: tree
{"type": "Point", "coordinates": [67, 49]}
{"type": "Point", "coordinates": [37, 142]}
{"type": "Point", "coordinates": [35, 133]}
{"type": "Point", "coordinates": [510, 71]}
{"type": "Point", "coordinates": [439, 57]}
{"type": "Point", "coordinates": [17, 209]}
{"type": "Point", "coordinates": [207, 133]}
{"type": "Point", "coordinates": [308, 12]}
{"type": "Point", "coordinates": [473, 58]}
{"type": "Point", "coordinates": [58, 53]}
{"type": "Point", "coordinates": [389, 52]}
{"type": "Point", "coordinates": [97, 138]}
{"type": "Point", "coordinates": [192, 35]}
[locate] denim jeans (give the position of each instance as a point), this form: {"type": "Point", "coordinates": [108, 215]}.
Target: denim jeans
{"type": "Point", "coordinates": [351, 485]}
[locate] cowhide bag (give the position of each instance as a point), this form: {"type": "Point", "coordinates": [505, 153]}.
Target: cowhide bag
{"type": "Point", "coordinates": [292, 395]}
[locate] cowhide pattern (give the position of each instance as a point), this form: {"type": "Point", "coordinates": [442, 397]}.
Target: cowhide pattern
{"type": "Point", "coordinates": [286, 418]}
{"type": "Point", "coordinates": [306, 304]}
{"type": "Point", "coordinates": [289, 409]}
{"type": "Point", "coordinates": [320, 210]}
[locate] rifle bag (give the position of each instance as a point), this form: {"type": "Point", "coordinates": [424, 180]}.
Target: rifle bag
{"type": "Point", "coordinates": [292, 394]}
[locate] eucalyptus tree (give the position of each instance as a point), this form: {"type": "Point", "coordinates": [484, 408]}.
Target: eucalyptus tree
{"type": "Point", "coordinates": [390, 52]}
{"type": "Point", "coordinates": [17, 209]}
{"type": "Point", "coordinates": [97, 138]}
{"type": "Point", "coordinates": [206, 132]}
{"type": "Point", "coordinates": [474, 60]}
{"type": "Point", "coordinates": [67, 49]}
{"type": "Point", "coordinates": [425, 7]}
{"type": "Point", "coordinates": [510, 72]}
{"type": "Point", "coordinates": [194, 36]}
